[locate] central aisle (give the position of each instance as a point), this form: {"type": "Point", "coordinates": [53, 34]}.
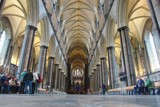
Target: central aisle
{"type": "Point", "coordinates": [78, 101]}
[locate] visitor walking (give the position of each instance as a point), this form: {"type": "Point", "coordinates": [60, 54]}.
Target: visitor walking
{"type": "Point", "coordinates": [28, 82]}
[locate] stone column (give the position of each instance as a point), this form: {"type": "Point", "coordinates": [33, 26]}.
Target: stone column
{"type": "Point", "coordinates": [50, 72]}
{"type": "Point", "coordinates": [62, 80]}
{"type": "Point", "coordinates": [99, 76]}
{"type": "Point", "coordinates": [2, 3]}
{"type": "Point", "coordinates": [127, 55]}
{"type": "Point", "coordinates": [90, 81]}
{"type": "Point", "coordinates": [112, 67]}
{"type": "Point", "coordinates": [56, 76]}
{"type": "Point", "coordinates": [27, 48]}
{"type": "Point", "coordinates": [59, 79]}
{"type": "Point", "coordinates": [86, 83]}
{"type": "Point", "coordinates": [95, 79]}
{"type": "Point", "coordinates": [154, 7]}
{"type": "Point", "coordinates": [42, 61]}
{"type": "Point", "coordinates": [64, 83]}
{"type": "Point", "coordinates": [68, 76]}
{"type": "Point", "coordinates": [104, 71]}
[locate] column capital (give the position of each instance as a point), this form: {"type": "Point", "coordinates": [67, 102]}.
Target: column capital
{"type": "Point", "coordinates": [103, 58]}
{"type": "Point", "coordinates": [123, 28]}
{"type": "Point", "coordinates": [111, 47]}
{"type": "Point", "coordinates": [56, 64]}
{"type": "Point", "coordinates": [98, 65]}
{"type": "Point", "coordinates": [30, 27]}
{"type": "Point", "coordinates": [43, 46]}
{"type": "Point", "coordinates": [50, 57]}
{"type": "Point", "coordinates": [94, 69]}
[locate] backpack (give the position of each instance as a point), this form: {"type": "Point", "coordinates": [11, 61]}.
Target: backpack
{"type": "Point", "coordinates": [39, 79]}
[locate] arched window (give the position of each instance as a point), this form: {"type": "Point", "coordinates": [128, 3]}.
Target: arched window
{"type": "Point", "coordinates": [4, 43]}
{"type": "Point", "coordinates": [77, 73]}
{"type": "Point", "coordinates": [152, 54]}
{"type": "Point", "coordinates": [2, 40]}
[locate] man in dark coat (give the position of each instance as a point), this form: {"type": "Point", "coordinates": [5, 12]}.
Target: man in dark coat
{"type": "Point", "coordinates": [28, 82]}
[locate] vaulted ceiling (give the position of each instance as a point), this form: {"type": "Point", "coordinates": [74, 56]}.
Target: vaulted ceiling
{"type": "Point", "coordinates": [78, 24]}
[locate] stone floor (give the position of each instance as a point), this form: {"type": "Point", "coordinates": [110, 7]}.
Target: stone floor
{"type": "Point", "coordinates": [48, 100]}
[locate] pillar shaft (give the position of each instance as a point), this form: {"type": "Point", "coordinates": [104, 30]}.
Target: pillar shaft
{"type": "Point", "coordinates": [113, 67]}
{"type": "Point", "coordinates": [27, 48]}
{"type": "Point", "coordinates": [104, 71]}
{"type": "Point", "coordinates": [42, 61]}
{"type": "Point", "coordinates": [56, 76]}
{"type": "Point", "coordinates": [50, 72]}
{"type": "Point", "coordinates": [95, 79]}
{"type": "Point", "coordinates": [99, 76]}
{"type": "Point", "coordinates": [64, 82]}
{"type": "Point", "coordinates": [87, 83]}
{"type": "Point", "coordinates": [59, 79]}
{"type": "Point", "coordinates": [127, 55]}
{"type": "Point", "coordinates": [90, 81]}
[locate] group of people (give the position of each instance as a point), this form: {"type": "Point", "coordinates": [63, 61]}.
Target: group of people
{"type": "Point", "coordinates": [9, 84]}
{"type": "Point", "coordinates": [144, 87]}
{"type": "Point", "coordinates": [27, 83]}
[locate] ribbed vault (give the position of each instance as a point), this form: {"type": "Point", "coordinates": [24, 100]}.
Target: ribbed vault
{"type": "Point", "coordinates": [78, 17]}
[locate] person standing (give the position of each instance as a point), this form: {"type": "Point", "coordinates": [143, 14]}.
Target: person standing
{"type": "Point", "coordinates": [5, 83]}
{"type": "Point", "coordinates": [149, 86]}
{"type": "Point", "coordinates": [140, 85]}
{"type": "Point", "coordinates": [28, 82]}
{"type": "Point", "coordinates": [35, 83]}
{"type": "Point", "coordinates": [103, 89]}
{"type": "Point", "coordinates": [12, 85]}
{"type": "Point", "coordinates": [22, 82]}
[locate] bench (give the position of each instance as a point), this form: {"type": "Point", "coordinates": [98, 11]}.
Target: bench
{"type": "Point", "coordinates": [129, 89]}
{"type": "Point", "coordinates": [117, 91]}
{"type": "Point", "coordinates": [157, 85]}
{"type": "Point", "coordinates": [42, 91]}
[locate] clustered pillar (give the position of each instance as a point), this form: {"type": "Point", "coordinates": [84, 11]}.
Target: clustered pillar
{"type": "Point", "coordinates": [56, 76]}
{"type": "Point", "coordinates": [104, 71]}
{"type": "Point", "coordinates": [112, 67]}
{"type": "Point", "coordinates": [50, 72]}
{"type": "Point", "coordinates": [27, 48]}
{"type": "Point", "coordinates": [99, 85]}
{"type": "Point", "coordinates": [95, 79]}
{"type": "Point", "coordinates": [127, 55]}
{"type": "Point", "coordinates": [59, 79]}
{"type": "Point", "coordinates": [42, 61]}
